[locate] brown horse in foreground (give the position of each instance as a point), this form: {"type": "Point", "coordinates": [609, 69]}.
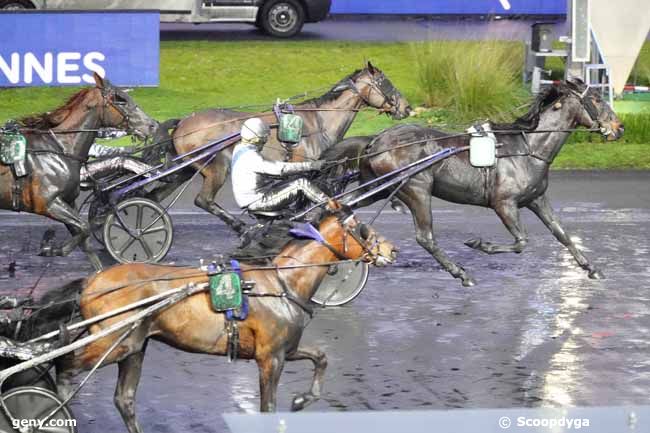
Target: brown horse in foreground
{"type": "Point", "coordinates": [327, 120]}
{"type": "Point", "coordinates": [271, 334]}
{"type": "Point", "coordinates": [57, 145]}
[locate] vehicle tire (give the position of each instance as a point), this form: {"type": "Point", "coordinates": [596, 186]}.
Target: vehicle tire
{"type": "Point", "coordinates": [16, 4]}
{"type": "Point", "coordinates": [282, 18]}
{"type": "Point", "coordinates": [138, 231]}
{"type": "Point", "coordinates": [342, 286]}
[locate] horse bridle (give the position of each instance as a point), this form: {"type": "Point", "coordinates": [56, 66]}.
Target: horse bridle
{"type": "Point", "coordinates": [590, 108]}
{"type": "Point", "coordinates": [358, 235]}
{"type": "Point", "coordinates": [382, 85]}
{"type": "Point", "coordinates": [108, 96]}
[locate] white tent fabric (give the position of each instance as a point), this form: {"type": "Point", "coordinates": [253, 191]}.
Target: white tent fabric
{"type": "Point", "coordinates": [621, 27]}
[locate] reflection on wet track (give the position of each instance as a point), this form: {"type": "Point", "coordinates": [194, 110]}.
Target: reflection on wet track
{"type": "Point", "coordinates": [535, 331]}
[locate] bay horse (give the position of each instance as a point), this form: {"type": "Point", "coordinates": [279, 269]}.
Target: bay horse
{"type": "Point", "coordinates": [57, 146]}
{"type": "Point", "coordinates": [270, 334]}
{"type": "Point", "coordinates": [326, 118]}
{"type": "Point", "coordinates": [519, 178]}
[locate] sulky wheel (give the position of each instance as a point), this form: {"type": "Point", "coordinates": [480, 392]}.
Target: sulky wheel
{"type": "Point", "coordinates": [30, 405]}
{"type": "Point", "coordinates": [138, 231]}
{"type": "Point", "coordinates": [37, 376]}
{"type": "Point", "coordinates": [342, 285]}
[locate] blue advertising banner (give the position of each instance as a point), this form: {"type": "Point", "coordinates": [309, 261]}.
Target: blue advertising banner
{"type": "Point", "coordinates": [65, 48]}
{"type": "Point", "coordinates": [451, 7]}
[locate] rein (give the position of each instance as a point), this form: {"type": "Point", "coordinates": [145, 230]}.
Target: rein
{"type": "Point", "coordinates": [460, 134]}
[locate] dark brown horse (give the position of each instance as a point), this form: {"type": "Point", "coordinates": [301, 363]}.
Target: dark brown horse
{"type": "Point", "coordinates": [326, 118]}
{"type": "Point", "coordinates": [519, 178]}
{"type": "Point", "coordinates": [270, 335]}
{"type": "Point", "coordinates": [57, 146]}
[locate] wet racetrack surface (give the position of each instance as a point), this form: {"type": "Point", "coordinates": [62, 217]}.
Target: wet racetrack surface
{"type": "Point", "coordinates": [535, 331]}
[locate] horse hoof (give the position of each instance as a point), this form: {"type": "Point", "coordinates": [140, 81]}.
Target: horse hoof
{"type": "Point", "coordinates": [47, 251]}
{"type": "Point", "coordinates": [398, 207]}
{"type": "Point", "coordinates": [299, 403]}
{"type": "Point", "coordinates": [469, 282]}
{"type": "Point", "coordinates": [239, 227]}
{"type": "Point", "coordinates": [595, 274]}
{"type": "Point", "coordinates": [473, 243]}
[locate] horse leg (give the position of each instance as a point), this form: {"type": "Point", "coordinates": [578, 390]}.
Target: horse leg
{"type": "Point", "coordinates": [418, 200]}
{"type": "Point", "coordinates": [61, 211]}
{"type": "Point", "coordinates": [270, 367]}
{"type": "Point", "coordinates": [320, 364]}
{"type": "Point", "coordinates": [509, 214]}
{"type": "Point", "coordinates": [130, 369]}
{"type": "Point", "coordinates": [542, 208]}
{"type": "Point", "coordinates": [65, 373]}
{"type": "Point", "coordinates": [213, 180]}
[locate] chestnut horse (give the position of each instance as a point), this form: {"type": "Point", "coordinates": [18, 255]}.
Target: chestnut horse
{"type": "Point", "coordinates": [271, 334]}
{"type": "Point", "coordinates": [57, 145]}
{"type": "Point", "coordinates": [327, 119]}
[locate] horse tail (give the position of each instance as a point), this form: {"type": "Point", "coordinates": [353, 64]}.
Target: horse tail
{"type": "Point", "coordinates": [162, 142]}
{"type": "Point", "coordinates": [348, 151]}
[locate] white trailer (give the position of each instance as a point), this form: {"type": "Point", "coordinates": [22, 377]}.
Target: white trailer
{"type": "Point", "coordinates": [280, 18]}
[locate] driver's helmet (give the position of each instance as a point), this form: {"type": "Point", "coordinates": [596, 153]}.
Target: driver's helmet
{"type": "Point", "coordinates": [255, 131]}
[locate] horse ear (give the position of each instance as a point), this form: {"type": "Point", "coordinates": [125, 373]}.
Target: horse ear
{"type": "Point", "coordinates": [99, 81]}
{"type": "Point", "coordinates": [371, 67]}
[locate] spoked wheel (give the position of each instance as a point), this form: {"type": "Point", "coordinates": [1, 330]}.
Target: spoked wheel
{"type": "Point", "coordinates": [343, 285]}
{"type": "Point", "coordinates": [138, 231]}
{"type": "Point", "coordinates": [38, 376]}
{"type": "Point", "coordinates": [30, 405]}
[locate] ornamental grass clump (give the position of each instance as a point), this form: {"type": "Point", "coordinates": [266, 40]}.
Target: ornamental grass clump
{"type": "Point", "coordinates": [473, 80]}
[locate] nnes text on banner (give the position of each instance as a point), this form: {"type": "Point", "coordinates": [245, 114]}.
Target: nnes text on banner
{"type": "Point", "coordinates": [65, 48]}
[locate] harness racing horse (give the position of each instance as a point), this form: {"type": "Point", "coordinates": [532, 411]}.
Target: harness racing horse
{"type": "Point", "coordinates": [326, 120]}
{"type": "Point", "coordinates": [57, 146]}
{"type": "Point", "coordinates": [519, 178]}
{"type": "Point", "coordinates": [270, 334]}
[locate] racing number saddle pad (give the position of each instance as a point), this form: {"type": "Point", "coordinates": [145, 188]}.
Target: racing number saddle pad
{"type": "Point", "coordinates": [225, 292]}
{"type": "Point", "coordinates": [12, 148]}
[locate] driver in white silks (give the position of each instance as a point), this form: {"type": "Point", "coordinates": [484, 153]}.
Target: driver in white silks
{"type": "Point", "coordinates": [249, 168]}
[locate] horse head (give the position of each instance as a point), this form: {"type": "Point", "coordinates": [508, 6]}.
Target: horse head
{"type": "Point", "coordinates": [377, 91]}
{"type": "Point", "coordinates": [354, 239]}
{"type": "Point", "coordinates": [119, 110]}
{"type": "Point", "coordinates": [595, 112]}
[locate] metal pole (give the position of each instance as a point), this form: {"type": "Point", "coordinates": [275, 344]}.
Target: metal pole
{"type": "Point", "coordinates": [110, 314]}
{"type": "Point", "coordinates": [186, 292]}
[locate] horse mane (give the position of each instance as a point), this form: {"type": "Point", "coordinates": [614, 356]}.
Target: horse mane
{"type": "Point", "coordinates": [52, 119]}
{"type": "Point", "coordinates": [335, 91]}
{"type": "Point", "coordinates": [530, 120]}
